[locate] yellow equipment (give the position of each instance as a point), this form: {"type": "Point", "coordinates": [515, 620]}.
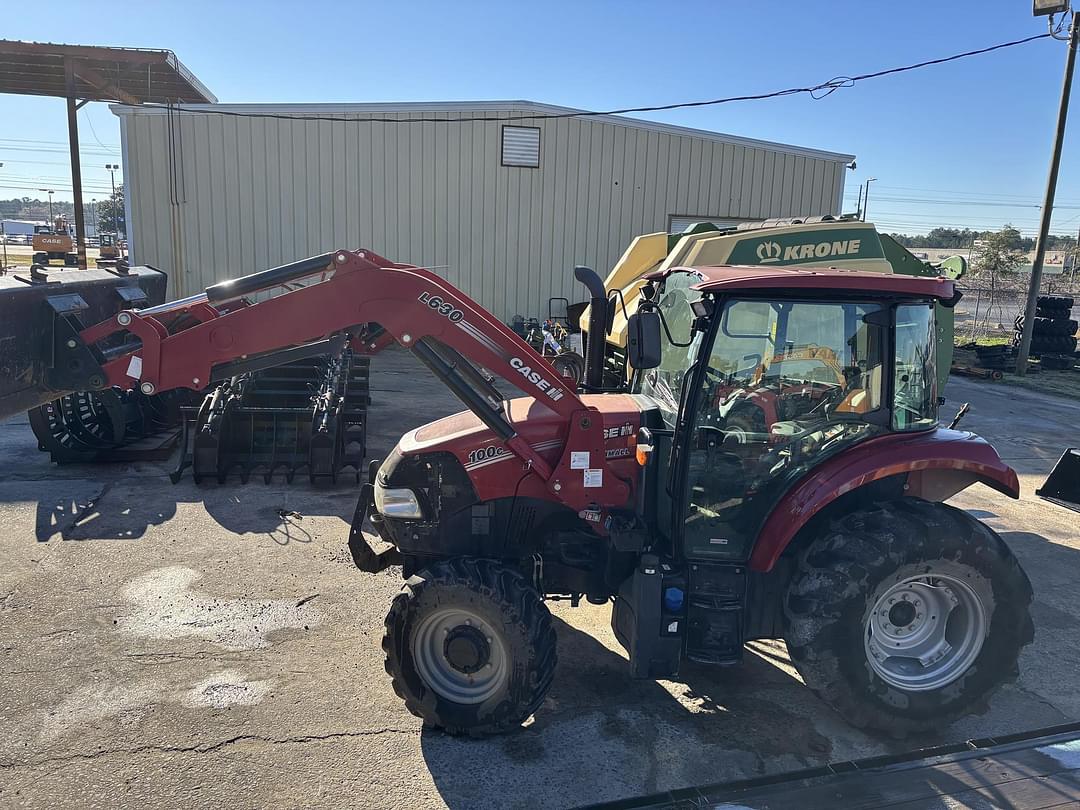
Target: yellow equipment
{"type": "Point", "coordinates": [809, 243]}
{"type": "Point", "coordinates": [111, 251]}
{"type": "Point", "coordinates": [54, 242]}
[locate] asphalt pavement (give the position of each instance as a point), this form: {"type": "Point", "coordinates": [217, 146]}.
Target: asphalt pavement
{"type": "Point", "coordinates": [178, 645]}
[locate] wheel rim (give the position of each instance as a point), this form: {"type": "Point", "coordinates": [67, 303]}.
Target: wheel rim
{"type": "Point", "coordinates": [459, 656]}
{"type": "Point", "coordinates": [925, 631]}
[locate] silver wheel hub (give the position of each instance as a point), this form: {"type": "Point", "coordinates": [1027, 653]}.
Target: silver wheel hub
{"type": "Point", "coordinates": [459, 656]}
{"type": "Point", "coordinates": [925, 632]}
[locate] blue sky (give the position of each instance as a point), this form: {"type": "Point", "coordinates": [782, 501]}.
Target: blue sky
{"type": "Point", "coordinates": [965, 144]}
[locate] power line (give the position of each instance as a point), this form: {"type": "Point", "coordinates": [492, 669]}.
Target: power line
{"type": "Point", "coordinates": [46, 140]}
{"type": "Point", "coordinates": [92, 151]}
{"type": "Point", "coordinates": [817, 91]}
{"type": "Point", "coordinates": [956, 191]}
{"type": "Point", "coordinates": [86, 118]}
{"type": "Point", "coordinates": [962, 203]}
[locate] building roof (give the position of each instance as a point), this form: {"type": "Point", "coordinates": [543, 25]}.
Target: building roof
{"type": "Point", "coordinates": [521, 107]}
{"type": "Point", "coordinates": [127, 75]}
{"type": "Point", "coordinates": [731, 278]}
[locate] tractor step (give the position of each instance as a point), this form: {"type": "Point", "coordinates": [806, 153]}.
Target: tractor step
{"type": "Point", "coordinates": [306, 414]}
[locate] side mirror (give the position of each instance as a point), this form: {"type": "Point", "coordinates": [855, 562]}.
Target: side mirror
{"type": "Point", "coordinates": [643, 340]}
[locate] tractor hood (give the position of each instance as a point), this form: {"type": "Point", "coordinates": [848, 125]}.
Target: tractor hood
{"type": "Point", "coordinates": [492, 467]}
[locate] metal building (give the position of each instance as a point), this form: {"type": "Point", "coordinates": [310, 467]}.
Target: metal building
{"type": "Point", "coordinates": [500, 203]}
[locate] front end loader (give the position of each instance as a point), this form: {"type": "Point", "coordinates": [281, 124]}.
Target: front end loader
{"type": "Point", "coordinates": [824, 525]}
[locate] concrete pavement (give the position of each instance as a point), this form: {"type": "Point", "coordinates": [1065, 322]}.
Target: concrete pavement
{"type": "Point", "coordinates": [182, 645]}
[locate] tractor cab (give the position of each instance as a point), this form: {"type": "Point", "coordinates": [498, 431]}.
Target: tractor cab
{"type": "Point", "coordinates": [784, 399]}
{"type": "Point", "coordinates": [755, 389]}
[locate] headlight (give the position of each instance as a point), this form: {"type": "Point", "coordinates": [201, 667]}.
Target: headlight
{"type": "Point", "coordinates": [398, 503]}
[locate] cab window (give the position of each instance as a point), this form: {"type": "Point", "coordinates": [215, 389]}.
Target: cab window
{"type": "Point", "coordinates": [915, 397]}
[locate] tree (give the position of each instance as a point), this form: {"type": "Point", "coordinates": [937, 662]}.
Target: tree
{"type": "Point", "coordinates": [996, 259]}
{"type": "Point", "coordinates": [111, 213]}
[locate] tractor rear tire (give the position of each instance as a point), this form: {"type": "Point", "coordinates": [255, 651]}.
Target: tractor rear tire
{"type": "Point", "coordinates": [938, 559]}
{"type": "Point", "coordinates": [470, 647]}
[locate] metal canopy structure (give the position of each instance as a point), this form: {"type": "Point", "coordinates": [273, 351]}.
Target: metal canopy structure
{"type": "Point", "coordinates": [82, 73]}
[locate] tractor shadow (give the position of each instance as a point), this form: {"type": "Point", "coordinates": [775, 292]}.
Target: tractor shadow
{"type": "Point", "coordinates": [601, 735]}
{"type": "Point", "coordinates": [115, 506]}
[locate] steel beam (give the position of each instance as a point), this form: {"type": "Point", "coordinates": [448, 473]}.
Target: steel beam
{"type": "Point", "coordinates": [76, 165]}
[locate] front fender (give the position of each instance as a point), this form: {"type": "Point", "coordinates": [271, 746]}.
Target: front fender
{"type": "Point", "coordinates": [938, 464]}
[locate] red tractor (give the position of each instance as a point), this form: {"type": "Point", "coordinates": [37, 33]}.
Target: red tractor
{"type": "Point", "coordinates": [827, 529]}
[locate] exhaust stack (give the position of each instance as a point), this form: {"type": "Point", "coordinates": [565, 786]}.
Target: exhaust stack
{"type": "Point", "coordinates": [594, 347]}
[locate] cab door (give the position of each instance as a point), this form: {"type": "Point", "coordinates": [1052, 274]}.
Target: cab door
{"type": "Point", "coordinates": [783, 385]}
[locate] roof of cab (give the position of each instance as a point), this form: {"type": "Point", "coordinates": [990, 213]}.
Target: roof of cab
{"type": "Point", "coordinates": [729, 278]}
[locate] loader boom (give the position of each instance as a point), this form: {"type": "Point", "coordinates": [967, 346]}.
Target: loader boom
{"type": "Point", "coordinates": [443, 327]}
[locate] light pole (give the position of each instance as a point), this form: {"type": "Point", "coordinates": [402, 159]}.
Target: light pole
{"type": "Point", "coordinates": [50, 192]}
{"type": "Point", "coordinates": [866, 198]}
{"type": "Point", "coordinates": [1041, 8]}
{"type": "Point", "coordinates": [113, 167]}
{"type": "Point", "coordinates": [3, 238]}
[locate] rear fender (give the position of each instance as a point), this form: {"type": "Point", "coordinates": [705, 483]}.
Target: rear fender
{"type": "Point", "coordinates": [935, 465]}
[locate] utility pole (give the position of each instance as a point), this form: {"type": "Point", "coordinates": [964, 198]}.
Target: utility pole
{"type": "Point", "coordinates": [112, 167]}
{"type": "Point", "coordinates": [858, 208]}
{"type": "Point", "coordinates": [866, 199]}
{"type": "Point", "coordinates": [3, 238]}
{"type": "Point", "coordinates": [50, 192]}
{"type": "Point", "coordinates": [1048, 202]}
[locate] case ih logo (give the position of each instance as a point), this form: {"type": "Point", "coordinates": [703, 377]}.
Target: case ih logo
{"type": "Point", "coordinates": [768, 252]}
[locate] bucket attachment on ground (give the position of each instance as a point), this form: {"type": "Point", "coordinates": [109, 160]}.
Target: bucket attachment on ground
{"type": "Point", "coordinates": [308, 413]}
{"type": "Point", "coordinates": [1062, 486]}
{"type": "Point", "coordinates": [110, 425]}
{"type": "Point", "coordinates": [41, 311]}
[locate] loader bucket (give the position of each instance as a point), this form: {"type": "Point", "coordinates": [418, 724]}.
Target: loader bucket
{"type": "Point", "coordinates": [38, 309]}
{"type": "Point", "coordinates": [1062, 486]}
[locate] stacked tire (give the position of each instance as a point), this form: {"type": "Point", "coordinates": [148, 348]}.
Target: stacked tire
{"type": "Point", "coordinates": [1055, 328]}
{"type": "Point", "coordinates": [994, 357]}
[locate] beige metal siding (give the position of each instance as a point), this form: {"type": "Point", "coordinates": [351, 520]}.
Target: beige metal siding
{"type": "Point", "coordinates": [251, 193]}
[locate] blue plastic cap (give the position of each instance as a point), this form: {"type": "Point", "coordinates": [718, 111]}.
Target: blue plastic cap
{"type": "Point", "coordinates": [673, 599]}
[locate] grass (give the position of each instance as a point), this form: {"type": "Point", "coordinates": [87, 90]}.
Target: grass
{"type": "Point", "coordinates": [20, 256]}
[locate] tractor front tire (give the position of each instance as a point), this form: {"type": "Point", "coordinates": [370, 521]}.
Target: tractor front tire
{"type": "Point", "coordinates": [470, 647]}
{"type": "Point", "coordinates": [907, 615]}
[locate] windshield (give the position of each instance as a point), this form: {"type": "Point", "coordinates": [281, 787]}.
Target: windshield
{"type": "Point", "coordinates": [665, 382]}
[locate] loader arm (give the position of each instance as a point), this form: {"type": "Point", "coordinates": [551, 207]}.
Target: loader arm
{"type": "Point", "coordinates": [444, 328]}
